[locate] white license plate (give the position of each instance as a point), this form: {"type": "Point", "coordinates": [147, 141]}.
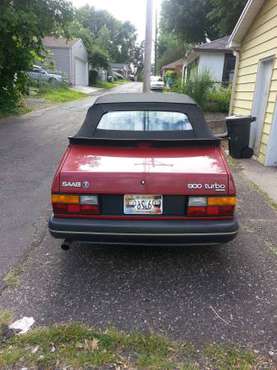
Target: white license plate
{"type": "Point", "coordinates": [143, 204]}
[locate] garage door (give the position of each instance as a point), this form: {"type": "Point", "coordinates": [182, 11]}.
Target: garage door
{"type": "Point", "coordinates": [81, 73]}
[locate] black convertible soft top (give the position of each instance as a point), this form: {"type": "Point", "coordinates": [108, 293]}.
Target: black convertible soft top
{"type": "Point", "coordinates": [168, 102]}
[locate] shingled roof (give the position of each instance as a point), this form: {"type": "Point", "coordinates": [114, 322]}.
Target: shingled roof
{"type": "Point", "coordinates": [175, 64]}
{"type": "Point", "coordinates": [216, 45]}
{"type": "Point", "coordinates": [58, 42]}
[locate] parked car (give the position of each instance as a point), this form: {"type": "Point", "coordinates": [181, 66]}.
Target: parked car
{"type": "Point", "coordinates": [39, 74]}
{"type": "Point", "coordinates": [156, 83]}
{"type": "Point", "coordinates": [132, 77]}
{"type": "Point", "coordinates": [144, 169]}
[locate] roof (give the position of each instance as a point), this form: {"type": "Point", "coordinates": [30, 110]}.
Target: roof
{"type": "Point", "coordinates": [89, 132]}
{"type": "Point", "coordinates": [144, 98]}
{"type": "Point", "coordinates": [173, 65]}
{"type": "Point", "coordinates": [215, 45]}
{"type": "Point", "coordinates": [58, 42]}
{"type": "Point", "coordinates": [247, 17]}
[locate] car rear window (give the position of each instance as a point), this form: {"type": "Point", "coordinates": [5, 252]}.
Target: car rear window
{"type": "Point", "coordinates": [145, 121]}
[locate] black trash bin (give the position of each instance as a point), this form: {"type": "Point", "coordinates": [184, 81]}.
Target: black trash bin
{"type": "Point", "coordinates": [239, 135]}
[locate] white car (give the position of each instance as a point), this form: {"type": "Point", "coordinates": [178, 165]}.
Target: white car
{"type": "Point", "coordinates": [156, 83]}
{"type": "Point", "coordinates": [40, 74]}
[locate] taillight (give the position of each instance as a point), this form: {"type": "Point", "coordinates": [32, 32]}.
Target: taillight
{"type": "Point", "coordinates": [211, 206]}
{"type": "Point", "coordinates": [64, 204]}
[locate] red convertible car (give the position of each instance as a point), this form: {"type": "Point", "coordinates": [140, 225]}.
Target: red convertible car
{"type": "Point", "coordinates": [144, 169]}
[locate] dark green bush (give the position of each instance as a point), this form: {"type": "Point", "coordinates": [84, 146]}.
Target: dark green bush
{"type": "Point", "coordinates": [209, 95]}
{"type": "Point", "coordinates": [219, 99]}
{"type": "Point", "coordinates": [197, 87]}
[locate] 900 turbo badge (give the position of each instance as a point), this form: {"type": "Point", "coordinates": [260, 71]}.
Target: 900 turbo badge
{"type": "Point", "coordinates": [215, 187]}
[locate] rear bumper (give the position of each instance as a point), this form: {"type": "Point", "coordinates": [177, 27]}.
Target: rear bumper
{"type": "Point", "coordinates": [131, 232]}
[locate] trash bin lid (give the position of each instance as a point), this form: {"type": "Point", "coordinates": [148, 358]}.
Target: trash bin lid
{"type": "Point", "coordinates": [240, 119]}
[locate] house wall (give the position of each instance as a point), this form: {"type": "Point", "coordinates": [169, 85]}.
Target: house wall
{"type": "Point", "coordinates": [260, 42]}
{"type": "Point", "coordinates": [62, 61]}
{"type": "Point", "coordinates": [214, 63]}
{"type": "Point", "coordinates": [79, 54]}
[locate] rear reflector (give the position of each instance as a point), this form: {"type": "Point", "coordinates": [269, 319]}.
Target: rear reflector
{"type": "Point", "coordinates": [211, 206]}
{"type": "Point", "coordinates": [89, 199]}
{"type": "Point", "coordinates": [197, 201]}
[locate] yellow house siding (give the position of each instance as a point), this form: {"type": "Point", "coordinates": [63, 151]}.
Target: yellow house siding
{"type": "Point", "coordinates": [259, 43]}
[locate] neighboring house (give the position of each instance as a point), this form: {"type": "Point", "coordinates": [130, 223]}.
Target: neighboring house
{"type": "Point", "coordinates": [121, 68]}
{"type": "Point", "coordinates": [176, 67]}
{"type": "Point", "coordinates": [70, 58]}
{"type": "Point", "coordinates": [215, 57]}
{"type": "Point", "coordinates": [255, 88]}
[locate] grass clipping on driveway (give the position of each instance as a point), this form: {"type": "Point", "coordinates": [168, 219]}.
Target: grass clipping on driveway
{"type": "Point", "coordinates": [78, 347]}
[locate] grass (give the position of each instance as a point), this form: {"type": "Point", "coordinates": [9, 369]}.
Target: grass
{"type": "Point", "coordinates": [11, 279]}
{"type": "Point", "coordinates": [21, 109]}
{"type": "Point", "coordinates": [61, 95]}
{"type": "Point", "coordinates": [110, 85]}
{"type": "Point", "coordinates": [77, 346]}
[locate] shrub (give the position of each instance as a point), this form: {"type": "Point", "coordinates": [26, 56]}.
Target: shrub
{"type": "Point", "coordinates": [198, 87]}
{"type": "Point", "coordinates": [210, 96]}
{"type": "Point", "coordinates": [219, 99]}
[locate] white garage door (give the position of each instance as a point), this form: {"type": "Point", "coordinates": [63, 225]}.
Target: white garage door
{"type": "Point", "coordinates": [81, 73]}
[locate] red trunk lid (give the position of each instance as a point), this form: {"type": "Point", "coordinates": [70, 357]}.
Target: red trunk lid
{"type": "Point", "coordinates": [144, 169]}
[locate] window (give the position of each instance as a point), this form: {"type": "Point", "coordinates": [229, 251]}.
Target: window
{"type": "Point", "coordinates": [145, 121]}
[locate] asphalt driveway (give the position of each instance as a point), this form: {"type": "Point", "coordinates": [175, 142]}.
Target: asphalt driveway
{"type": "Point", "coordinates": [30, 148]}
{"type": "Point", "coordinates": [222, 294]}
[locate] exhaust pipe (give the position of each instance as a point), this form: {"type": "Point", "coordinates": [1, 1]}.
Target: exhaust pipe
{"type": "Point", "coordinates": [66, 245]}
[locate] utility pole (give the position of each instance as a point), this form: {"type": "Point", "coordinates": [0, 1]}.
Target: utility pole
{"type": "Point", "coordinates": [148, 46]}
{"type": "Point", "coordinates": [156, 42]}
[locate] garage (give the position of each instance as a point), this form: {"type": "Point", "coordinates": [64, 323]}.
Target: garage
{"type": "Point", "coordinates": [81, 72]}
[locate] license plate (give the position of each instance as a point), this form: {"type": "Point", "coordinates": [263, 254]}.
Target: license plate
{"type": "Point", "coordinates": [143, 204]}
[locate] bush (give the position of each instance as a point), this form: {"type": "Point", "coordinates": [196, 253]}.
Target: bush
{"type": "Point", "coordinates": [210, 96]}
{"type": "Point", "coordinates": [219, 99]}
{"type": "Point", "coordinates": [198, 87]}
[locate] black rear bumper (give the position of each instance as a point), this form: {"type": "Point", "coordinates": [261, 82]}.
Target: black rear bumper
{"type": "Point", "coordinates": [133, 232]}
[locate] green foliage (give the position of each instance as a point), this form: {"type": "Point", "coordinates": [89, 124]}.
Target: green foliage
{"type": "Point", "coordinates": [192, 21]}
{"type": "Point", "coordinates": [109, 85]}
{"type": "Point", "coordinates": [79, 347]}
{"type": "Point", "coordinates": [198, 87]}
{"type": "Point", "coordinates": [188, 20]}
{"type": "Point", "coordinates": [224, 14]}
{"type": "Point", "coordinates": [23, 24]}
{"type": "Point", "coordinates": [104, 36]}
{"type": "Point", "coordinates": [170, 48]}
{"type": "Point", "coordinates": [211, 96]}
{"type": "Point", "coordinates": [219, 99]}
{"type": "Point", "coordinates": [171, 74]}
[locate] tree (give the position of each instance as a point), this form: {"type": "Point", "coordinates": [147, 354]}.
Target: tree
{"type": "Point", "coordinates": [187, 20]}
{"type": "Point", "coordinates": [115, 38]}
{"type": "Point", "coordinates": [97, 55]}
{"type": "Point", "coordinates": [170, 48]}
{"type": "Point", "coordinates": [193, 21]}
{"type": "Point", "coordinates": [23, 24]}
{"type": "Point", "coordinates": [225, 14]}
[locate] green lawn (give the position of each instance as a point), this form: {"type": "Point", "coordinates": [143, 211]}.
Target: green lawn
{"type": "Point", "coordinates": [61, 95]}
{"type": "Point", "coordinates": [76, 346]}
{"type": "Point", "coordinates": [110, 85]}
{"type": "Point", "coordinates": [21, 109]}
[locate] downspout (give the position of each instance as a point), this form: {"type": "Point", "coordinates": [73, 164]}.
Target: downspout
{"type": "Point", "coordinates": [234, 82]}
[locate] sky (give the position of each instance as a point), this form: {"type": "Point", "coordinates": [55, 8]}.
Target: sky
{"type": "Point", "coordinates": [124, 10]}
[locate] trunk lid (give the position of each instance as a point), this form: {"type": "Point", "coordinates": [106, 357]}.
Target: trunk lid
{"type": "Point", "coordinates": [144, 169]}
